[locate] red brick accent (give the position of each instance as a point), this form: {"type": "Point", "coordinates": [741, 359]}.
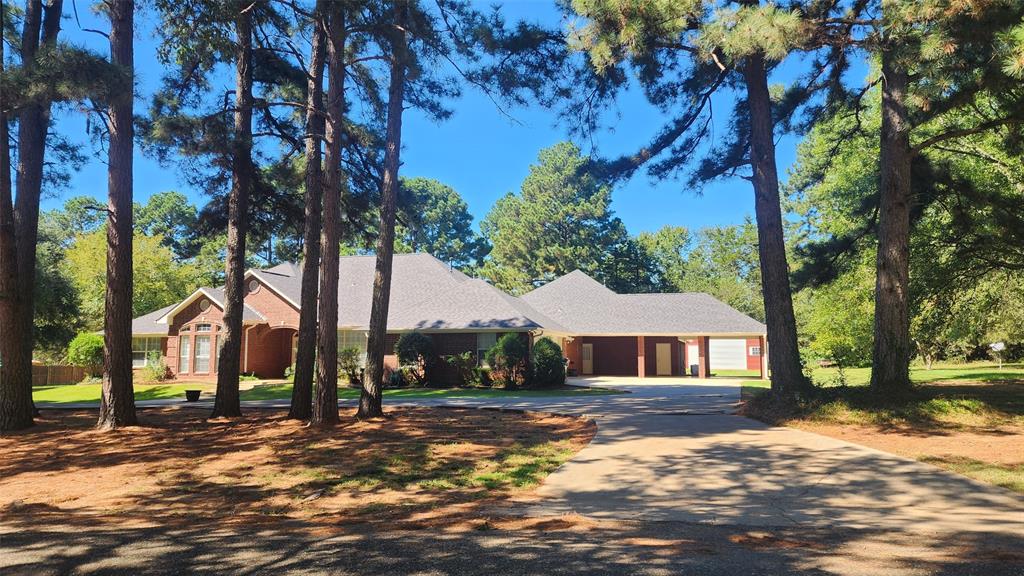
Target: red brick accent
{"type": "Point", "coordinates": [573, 351]}
{"type": "Point", "coordinates": [753, 362]}
{"type": "Point", "coordinates": [269, 351]}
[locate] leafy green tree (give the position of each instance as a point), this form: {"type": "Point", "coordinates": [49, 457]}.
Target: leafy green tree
{"type": "Point", "coordinates": [171, 216]}
{"type": "Point", "coordinates": [560, 221]}
{"type": "Point", "coordinates": [436, 220]}
{"type": "Point", "coordinates": [836, 318]}
{"type": "Point", "coordinates": [86, 350]}
{"type": "Point", "coordinates": [724, 263]}
{"type": "Point", "coordinates": [158, 279]}
{"type": "Point", "coordinates": [667, 247]}
{"type": "Point", "coordinates": [937, 60]}
{"type": "Point", "coordinates": [963, 288]}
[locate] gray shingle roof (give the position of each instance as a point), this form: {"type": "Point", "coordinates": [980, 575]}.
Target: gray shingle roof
{"type": "Point", "coordinates": [217, 295]}
{"type": "Point", "coordinates": [426, 294]}
{"type": "Point", "coordinates": [585, 306]}
{"type": "Point", "coordinates": [147, 324]}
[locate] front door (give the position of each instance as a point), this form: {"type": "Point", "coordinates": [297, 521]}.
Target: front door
{"type": "Point", "coordinates": [587, 357]}
{"type": "Point", "coordinates": [663, 359]}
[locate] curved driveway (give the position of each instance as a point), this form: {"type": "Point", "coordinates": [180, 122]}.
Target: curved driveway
{"type": "Point", "coordinates": [672, 450]}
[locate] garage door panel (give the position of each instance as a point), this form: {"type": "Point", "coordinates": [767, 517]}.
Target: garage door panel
{"type": "Point", "coordinates": [728, 353]}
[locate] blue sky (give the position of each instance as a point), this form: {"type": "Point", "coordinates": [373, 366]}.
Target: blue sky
{"type": "Point", "coordinates": [479, 151]}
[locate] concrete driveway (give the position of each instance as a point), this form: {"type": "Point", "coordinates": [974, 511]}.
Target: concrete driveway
{"type": "Point", "coordinates": [686, 488]}
{"type": "Point", "coordinates": [671, 450]}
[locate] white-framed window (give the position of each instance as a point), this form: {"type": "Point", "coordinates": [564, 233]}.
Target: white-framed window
{"type": "Point", "coordinates": [141, 349]}
{"type": "Point", "coordinates": [201, 361]}
{"type": "Point", "coordinates": [184, 352]}
{"type": "Point", "coordinates": [755, 350]}
{"type": "Point", "coordinates": [484, 342]}
{"type": "Point", "coordinates": [204, 327]}
{"type": "Point", "coordinates": [348, 339]}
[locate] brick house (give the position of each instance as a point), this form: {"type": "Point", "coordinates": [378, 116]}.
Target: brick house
{"type": "Point", "coordinates": [602, 333]}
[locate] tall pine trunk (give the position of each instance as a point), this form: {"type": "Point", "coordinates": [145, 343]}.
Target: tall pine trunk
{"type": "Point", "coordinates": [227, 401]}
{"type": "Point", "coordinates": [783, 351]}
{"type": "Point", "coordinates": [890, 359]}
{"type": "Point", "coordinates": [117, 403]}
{"type": "Point", "coordinates": [16, 409]}
{"type": "Point", "coordinates": [302, 389]}
{"type": "Point", "coordinates": [325, 404]}
{"type": "Point", "coordinates": [370, 397]}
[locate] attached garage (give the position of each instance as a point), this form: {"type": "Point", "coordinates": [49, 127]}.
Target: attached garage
{"type": "Point", "coordinates": [728, 353]}
{"type": "Point", "coordinates": [603, 333]}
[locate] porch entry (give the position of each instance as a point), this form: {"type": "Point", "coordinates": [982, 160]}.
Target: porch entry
{"type": "Point", "coordinates": [587, 358]}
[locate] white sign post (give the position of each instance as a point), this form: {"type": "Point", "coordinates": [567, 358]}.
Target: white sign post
{"type": "Point", "coordinates": [997, 348]}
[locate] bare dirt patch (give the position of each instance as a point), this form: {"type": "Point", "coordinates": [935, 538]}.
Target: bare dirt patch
{"type": "Point", "coordinates": [1001, 445]}
{"type": "Point", "coordinates": [417, 467]}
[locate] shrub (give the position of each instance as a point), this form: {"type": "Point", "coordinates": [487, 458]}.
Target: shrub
{"type": "Point", "coordinates": [349, 364]}
{"type": "Point", "coordinates": [396, 379]}
{"type": "Point", "coordinates": [507, 359]}
{"type": "Point", "coordinates": [86, 350]}
{"type": "Point", "coordinates": [156, 368]}
{"type": "Point", "coordinates": [463, 366]}
{"type": "Point", "coordinates": [248, 377]}
{"type": "Point", "coordinates": [548, 364]}
{"type": "Point", "coordinates": [289, 372]}
{"type": "Point", "coordinates": [415, 351]}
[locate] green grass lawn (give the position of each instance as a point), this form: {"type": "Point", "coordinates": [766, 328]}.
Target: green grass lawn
{"type": "Point", "coordinates": [74, 393]}
{"type": "Point", "coordinates": [77, 393]}
{"type": "Point", "coordinates": [737, 373]}
{"type": "Point", "coordinates": [949, 399]}
{"type": "Point", "coordinates": [974, 372]}
{"type": "Point", "coordinates": [284, 392]}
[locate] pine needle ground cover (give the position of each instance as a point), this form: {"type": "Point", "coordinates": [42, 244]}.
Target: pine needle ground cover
{"type": "Point", "coordinates": [965, 418]}
{"type": "Point", "coordinates": [417, 465]}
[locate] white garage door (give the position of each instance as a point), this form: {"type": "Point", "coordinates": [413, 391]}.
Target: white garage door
{"type": "Point", "coordinates": [728, 354]}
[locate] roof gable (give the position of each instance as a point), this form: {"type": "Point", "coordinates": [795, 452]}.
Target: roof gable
{"type": "Point", "coordinates": [585, 306]}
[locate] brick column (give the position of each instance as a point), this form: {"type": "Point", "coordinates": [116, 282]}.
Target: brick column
{"type": "Point", "coordinates": [764, 357]}
{"type": "Point", "coordinates": [702, 357]}
{"type": "Point", "coordinates": [641, 365]}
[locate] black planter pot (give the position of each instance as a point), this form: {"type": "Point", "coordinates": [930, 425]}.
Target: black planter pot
{"type": "Point", "coordinates": [192, 395]}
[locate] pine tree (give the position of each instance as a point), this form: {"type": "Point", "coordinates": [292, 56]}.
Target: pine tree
{"type": "Point", "coordinates": [117, 402]}
{"type": "Point", "coordinates": [370, 397]}
{"type": "Point", "coordinates": [302, 388]}
{"type": "Point", "coordinates": [684, 53]}
{"type": "Point", "coordinates": [325, 402]}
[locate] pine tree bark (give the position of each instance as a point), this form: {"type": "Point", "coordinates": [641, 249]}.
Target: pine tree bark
{"type": "Point", "coordinates": [890, 359]}
{"type": "Point", "coordinates": [784, 352]}
{"type": "Point", "coordinates": [117, 402]}
{"type": "Point", "coordinates": [325, 402]}
{"type": "Point", "coordinates": [227, 403]}
{"type": "Point", "coordinates": [16, 408]}
{"type": "Point", "coordinates": [370, 404]}
{"type": "Point", "coordinates": [302, 388]}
